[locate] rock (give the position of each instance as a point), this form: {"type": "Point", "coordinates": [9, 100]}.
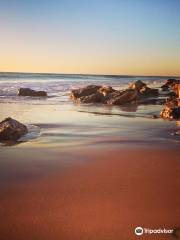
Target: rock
{"type": "Point", "coordinates": [170, 113]}
{"type": "Point", "coordinates": [32, 93]}
{"type": "Point", "coordinates": [165, 88]}
{"type": "Point", "coordinates": [169, 84]}
{"type": "Point", "coordinates": [137, 85]}
{"type": "Point", "coordinates": [106, 90]}
{"type": "Point", "coordinates": [123, 97]}
{"type": "Point", "coordinates": [171, 109]}
{"type": "Point", "coordinates": [148, 92]}
{"type": "Point", "coordinates": [10, 129]}
{"type": "Point", "coordinates": [137, 91]}
{"type": "Point", "coordinates": [143, 90]}
{"type": "Point", "coordinates": [85, 91]}
{"type": "Point", "coordinates": [93, 98]}
{"type": "Point", "coordinates": [170, 81]}
{"type": "Point", "coordinates": [176, 89]}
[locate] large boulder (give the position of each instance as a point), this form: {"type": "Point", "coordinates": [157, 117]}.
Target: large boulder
{"type": "Point", "coordinates": [122, 97]}
{"type": "Point", "coordinates": [10, 129]}
{"type": "Point", "coordinates": [171, 109]}
{"type": "Point", "coordinates": [85, 91]}
{"type": "Point", "coordinates": [31, 93]}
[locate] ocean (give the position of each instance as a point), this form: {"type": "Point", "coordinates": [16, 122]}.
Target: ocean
{"type": "Point", "coordinates": [57, 121]}
{"type": "Point", "coordinates": [59, 85]}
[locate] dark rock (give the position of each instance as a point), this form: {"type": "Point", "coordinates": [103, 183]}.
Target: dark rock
{"type": "Point", "coordinates": [85, 91]}
{"type": "Point", "coordinates": [123, 97]}
{"type": "Point", "coordinates": [93, 98]}
{"type": "Point", "coordinates": [143, 90]}
{"type": "Point", "coordinates": [169, 84]}
{"type": "Point", "coordinates": [11, 129]}
{"type": "Point", "coordinates": [148, 92]}
{"type": "Point", "coordinates": [32, 93]}
{"type": "Point", "coordinates": [137, 85]}
{"type": "Point", "coordinates": [165, 88]}
{"type": "Point", "coordinates": [170, 81]}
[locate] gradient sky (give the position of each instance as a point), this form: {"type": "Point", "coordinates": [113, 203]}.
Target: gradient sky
{"type": "Point", "coordinates": [90, 36]}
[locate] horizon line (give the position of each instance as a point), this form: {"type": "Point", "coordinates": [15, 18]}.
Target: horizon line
{"type": "Point", "coordinates": [88, 74]}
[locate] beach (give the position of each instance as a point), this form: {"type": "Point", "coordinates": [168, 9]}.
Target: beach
{"type": "Point", "coordinates": [90, 193]}
{"type": "Point", "coordinates": [86, 171]}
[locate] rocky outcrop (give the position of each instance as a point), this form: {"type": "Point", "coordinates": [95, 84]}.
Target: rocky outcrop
{"type": "Point", "coordinates": [171, 109]}
{"type": "Point", "coordinates": [107, 95]}
{"type": "Point", "coordinates": [10, 129]}
{"type": "Point", "coordinates": [31, 93]}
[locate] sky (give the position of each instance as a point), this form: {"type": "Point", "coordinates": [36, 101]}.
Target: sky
{"type": "Point", "coordinates": [133, 37]}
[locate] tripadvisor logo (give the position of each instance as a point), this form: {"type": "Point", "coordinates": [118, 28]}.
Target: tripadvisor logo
{"type": "Point", "coordinates": [138, 231]}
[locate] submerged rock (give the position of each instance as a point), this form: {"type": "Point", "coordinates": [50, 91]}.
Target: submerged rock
{"type": "Point", "coordinates": [10, 129]}
{"type": "Point", "coordinates": [32, 93]}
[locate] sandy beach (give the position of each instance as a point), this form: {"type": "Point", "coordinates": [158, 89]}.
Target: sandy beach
{"type": "Point", "coordinates": [86, 171]}
{"type": "Point", "coordinates": [90, 193]}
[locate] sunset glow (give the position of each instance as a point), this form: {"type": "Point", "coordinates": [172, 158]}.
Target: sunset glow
{"type": "Point", "coordinates": [100, 37]}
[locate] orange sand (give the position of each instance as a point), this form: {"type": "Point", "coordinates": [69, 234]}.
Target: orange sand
{"type": "Point", "coordinates": [103, 197]}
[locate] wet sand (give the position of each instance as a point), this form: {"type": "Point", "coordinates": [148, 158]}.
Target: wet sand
{"type": "Point", "coordinates": [99, 193]}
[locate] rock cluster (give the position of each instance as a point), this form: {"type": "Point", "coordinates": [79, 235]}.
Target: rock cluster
{"type": "Point", "coordinates": [11, 130]}
{"type": "Point", "coordinates": [172, 106]}
{"type": "Point", "coordinates": [31, 93]}
{"type": "Point", "coordinates": [108, 95]}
